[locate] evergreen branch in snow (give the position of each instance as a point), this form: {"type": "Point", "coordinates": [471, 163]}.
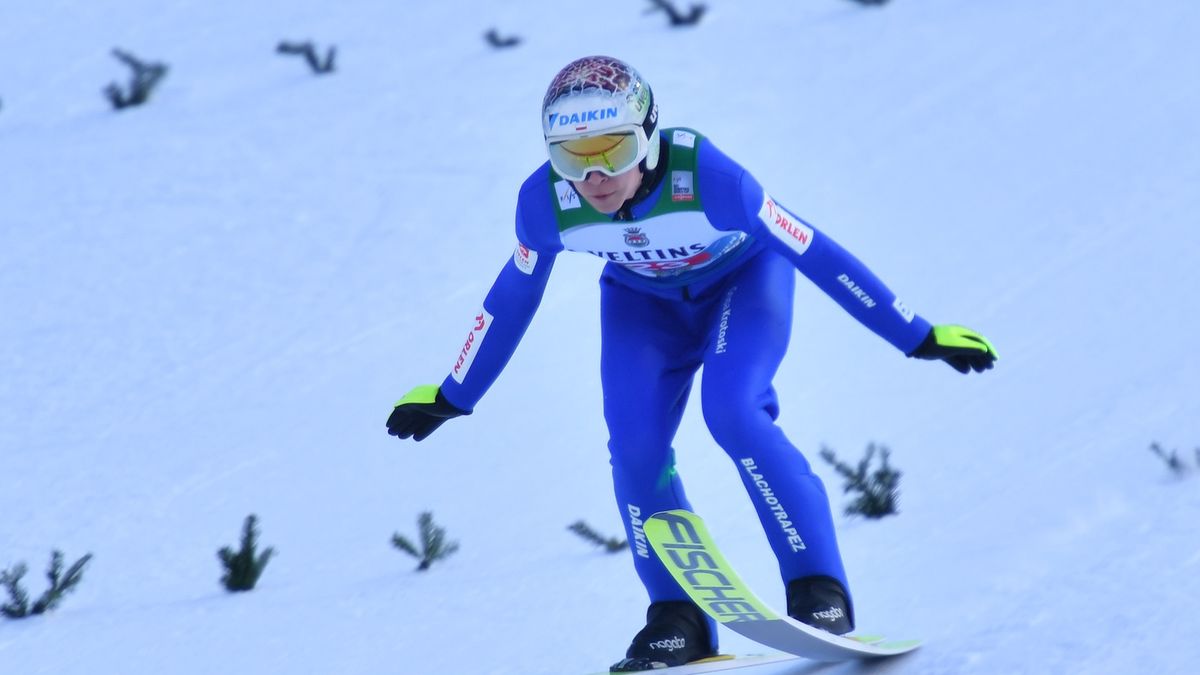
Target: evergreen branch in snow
{"type": "Point", "coordinates": [244, 567]}
{"type": "Point", "coordinates": [18, 604]}
{"type": "Point", "coordinates": [493, 38]}
{"type": "Point", "coordinates": [878, 490]}
{"type": "Point", "coordinates": [676, 17]}
{"type": "Point", "coordinates": [146, 76]}
{"type": "Point", "coordinates": [610, 544]}
{"type": "Point", "coordinates": [1171, 458]}
{"type": "Point", "coordinates": [434, 545]}
{"type": "Point", "coordinates": [318, 65]}
{"type": "Point", "coordinates": [60, 585]}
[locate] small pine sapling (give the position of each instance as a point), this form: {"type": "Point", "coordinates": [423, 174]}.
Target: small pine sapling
{"type": "Point", "coordinates": [308, 50]}
{"type": "Point", "coordinates": [243, 568]}
{"type": "Point", "coordinates": [17, 606]}
{"type": "Point", "coordinates": [494, 39]}
{"type": "Point", "coordinates": [146, 76]}
{"type": "Point", "coordinates": [60, 584]}
{"type": "Point", "coordinates": [1171, 458]}
{"type": "Point", "coordinates": [878, 490]}
{"type": "Point", "coordinates": [610, 544]}
{"type": "Point", "coordinates": [676, 17]}
{"type": "Point", "coordinates": [434, 545]}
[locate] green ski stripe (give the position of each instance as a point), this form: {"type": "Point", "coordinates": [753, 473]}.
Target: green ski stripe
{"type": "Point", "coordinates": [702, 571]}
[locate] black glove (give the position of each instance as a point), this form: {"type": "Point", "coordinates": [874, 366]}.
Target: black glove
{"type": "Point", "coordinates": [964, 349]}
{"type": "Point", "coordinates": [421, 412]}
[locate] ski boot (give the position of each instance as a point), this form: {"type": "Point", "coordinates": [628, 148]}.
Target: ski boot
{"type": "Point", "coordinates": [676, 633]}
{"type": "Point", "coordinates": [820, 602]}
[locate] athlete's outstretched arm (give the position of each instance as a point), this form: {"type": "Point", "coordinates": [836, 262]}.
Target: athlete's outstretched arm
{"type": "Point", "coordinates": [498, 327]}
{"type": "Point", "coordinates": [834, 269]}
{"type": "Point", "coordinates": [490, 342]}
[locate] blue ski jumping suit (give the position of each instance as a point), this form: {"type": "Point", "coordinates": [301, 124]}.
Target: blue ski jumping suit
{"type": "Point", "coordinates": [700, 272]}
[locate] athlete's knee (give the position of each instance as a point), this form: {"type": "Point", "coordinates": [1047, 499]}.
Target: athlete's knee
{"type": "Point", "coordinates": [640, 463]}
{"type": "Point", "coordinates": [737, 421]}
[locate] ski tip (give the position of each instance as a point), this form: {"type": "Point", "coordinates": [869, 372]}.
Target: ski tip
{"type": "Point", "coordinates": [899, 644]}
{"type": "Point", "coordinates": [893, 647]}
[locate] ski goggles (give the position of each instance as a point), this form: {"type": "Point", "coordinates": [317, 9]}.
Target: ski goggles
{"type": "Point", "coordinates": [611, 153]}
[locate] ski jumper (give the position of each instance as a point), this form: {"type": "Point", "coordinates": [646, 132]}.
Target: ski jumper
{"type": "Point", "coordinates": [699, 273]}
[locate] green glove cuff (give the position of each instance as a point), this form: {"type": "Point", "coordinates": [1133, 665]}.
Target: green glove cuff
{"type": "Point", "coordinates": [961, 337]}
{"type": "Point", "coordinates": [426, 393]}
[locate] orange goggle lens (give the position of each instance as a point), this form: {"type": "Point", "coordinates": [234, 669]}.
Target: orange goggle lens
{"type": "Point", "coordinates": [611, 154]}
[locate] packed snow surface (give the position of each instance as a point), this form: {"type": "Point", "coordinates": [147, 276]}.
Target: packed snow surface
{"type": "Point", "coordinates": [209, 304]}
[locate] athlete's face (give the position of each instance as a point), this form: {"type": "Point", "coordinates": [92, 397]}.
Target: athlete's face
{"type": "Point", "coordinates": [606, 194]}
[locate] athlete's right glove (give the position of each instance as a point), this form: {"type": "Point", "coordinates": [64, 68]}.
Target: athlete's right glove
{"type": "Point", "coordinates": [964, 349]}
{"type": "Point", "coordinates": [421, 412]}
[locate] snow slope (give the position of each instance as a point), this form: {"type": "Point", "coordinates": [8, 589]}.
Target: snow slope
{"type": "Point", "coordinates": [210, 303]}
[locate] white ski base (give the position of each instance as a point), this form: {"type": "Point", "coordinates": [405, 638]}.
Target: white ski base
{"type": "Point", "coordinates": [721, 665]}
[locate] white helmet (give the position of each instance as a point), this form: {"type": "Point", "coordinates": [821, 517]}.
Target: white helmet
{"type": "Point", "coordinates": [599, 115]}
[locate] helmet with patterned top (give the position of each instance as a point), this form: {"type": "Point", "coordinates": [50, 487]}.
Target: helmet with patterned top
{"type": "Point", "coordinates": [599, 115]}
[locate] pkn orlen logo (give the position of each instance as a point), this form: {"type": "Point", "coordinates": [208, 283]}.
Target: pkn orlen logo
{"type": "Point", "coordinates": [525, 258]}
{"type": "Point", "coordinates": [785, 226]}
{"type": "Point", "coordinates": [470, 348]}
{"type": "Point", "coordinates": [581, 120]}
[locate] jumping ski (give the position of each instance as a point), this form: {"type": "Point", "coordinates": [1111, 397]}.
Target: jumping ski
{"type": "Point", "coordinates": [720, 664]}
{"type": "Point", "coordinates": [683, 543]}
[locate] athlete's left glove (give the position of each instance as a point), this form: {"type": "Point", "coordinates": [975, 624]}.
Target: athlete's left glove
{"type": "Point", "coordinates": [964, 349]}
{"type": "Point", "coordinates": [421, 412]}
